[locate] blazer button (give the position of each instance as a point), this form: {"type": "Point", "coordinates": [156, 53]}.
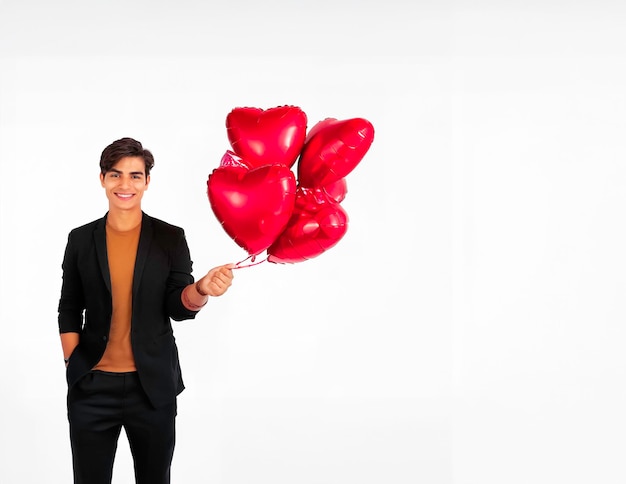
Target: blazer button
{"type": "Point", "coordinates": [104, 338]}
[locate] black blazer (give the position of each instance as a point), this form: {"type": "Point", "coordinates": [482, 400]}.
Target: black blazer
{"type": "Point", "coordinates": [162, 269]}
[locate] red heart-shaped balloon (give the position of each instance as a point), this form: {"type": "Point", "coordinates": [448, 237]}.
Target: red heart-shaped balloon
{"type": "Point", "coordinates": [337, 191]}
{"type": "Point", "coordinates": [317, 224]}
{"type": "Point", "coordinates": [332, 149]}
{"type": "Point", "coordinates": [264, 137]}
{"type": "Point", "coordinates": [253, 206]}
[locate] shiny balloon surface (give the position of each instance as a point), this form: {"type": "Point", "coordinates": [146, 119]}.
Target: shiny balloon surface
{"type": "Point", "coordinates": [253, 206]}
{"type": "Point", "coordinates": [267, 136]}
{"type": "Point", "coordinates": [317, 224]}
{"type": "Point", "coordinates": [332, 149]}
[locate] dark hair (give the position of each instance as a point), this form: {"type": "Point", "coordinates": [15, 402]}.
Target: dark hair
{"type": "Point", "coordinates": [122, 148]}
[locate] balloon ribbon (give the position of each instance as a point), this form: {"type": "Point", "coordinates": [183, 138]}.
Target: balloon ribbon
{"type": "Point", "coordinates": [252, 260]}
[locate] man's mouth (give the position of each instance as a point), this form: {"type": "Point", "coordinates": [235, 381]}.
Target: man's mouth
{"type": "Point", "coordinates": [124, 196]}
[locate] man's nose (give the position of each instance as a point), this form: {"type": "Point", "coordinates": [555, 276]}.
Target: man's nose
{"type": "Point", "coordinates": [125, 181]}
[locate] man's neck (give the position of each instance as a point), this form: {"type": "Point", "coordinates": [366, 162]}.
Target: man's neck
{"type": "Point", "coordinates": [123, 220]}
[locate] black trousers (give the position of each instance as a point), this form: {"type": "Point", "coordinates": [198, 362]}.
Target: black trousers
{"type": "Point", "coordinates": [99, 405]}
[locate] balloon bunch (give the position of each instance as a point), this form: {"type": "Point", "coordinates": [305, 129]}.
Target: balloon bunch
{"type": "Point", "coordinates": [255, 195]}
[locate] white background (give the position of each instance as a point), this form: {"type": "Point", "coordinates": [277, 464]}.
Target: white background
{"type": "Point", "coordinates": [469, 328]}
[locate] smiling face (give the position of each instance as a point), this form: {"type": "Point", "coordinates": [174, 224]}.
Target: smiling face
{"type": "Point", "coordinates": [125, 183]}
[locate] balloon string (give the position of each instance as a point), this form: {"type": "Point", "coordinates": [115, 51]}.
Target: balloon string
{"type": "Point", "coordinates": [239, 266]}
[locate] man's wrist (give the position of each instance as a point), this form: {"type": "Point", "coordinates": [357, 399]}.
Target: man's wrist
{"type": "Point", "coordinates": [187, 302]}
{"type": "Point", "coordinates": [199, 290]}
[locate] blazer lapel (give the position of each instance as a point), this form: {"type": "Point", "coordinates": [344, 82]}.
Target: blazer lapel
{"type": "Point", "coordinates": [100, 240]}
{"type": "Point", "coordinates": [145, 240]}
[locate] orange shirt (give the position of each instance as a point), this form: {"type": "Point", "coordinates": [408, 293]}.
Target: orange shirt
{"type": "Point", "coordinates": [121, 252]}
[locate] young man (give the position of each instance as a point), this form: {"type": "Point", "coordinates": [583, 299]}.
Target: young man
{"type": "Point", "coordinates": [125, 277]}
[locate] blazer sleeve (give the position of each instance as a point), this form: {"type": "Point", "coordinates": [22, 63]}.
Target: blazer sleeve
{"type": "Point", "coordinates": [179, 278]}
{"type": "Point", "coordinates": [72, 301]}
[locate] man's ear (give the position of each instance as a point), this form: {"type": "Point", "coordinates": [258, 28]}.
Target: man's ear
{"type": "Point", "coordinates": [147, 181]}
{"type": "Point", "coordinates": [102, 180]}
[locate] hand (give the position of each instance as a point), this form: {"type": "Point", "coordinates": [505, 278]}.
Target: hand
{"type": "Point", "coordinates": [217, 280]}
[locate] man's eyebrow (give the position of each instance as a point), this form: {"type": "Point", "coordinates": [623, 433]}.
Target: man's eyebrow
{"type": "Point", "coordinates": [120, 172]}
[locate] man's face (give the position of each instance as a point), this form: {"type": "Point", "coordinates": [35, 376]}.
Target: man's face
{"type": "Point", "coordinates": [125, 183]}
